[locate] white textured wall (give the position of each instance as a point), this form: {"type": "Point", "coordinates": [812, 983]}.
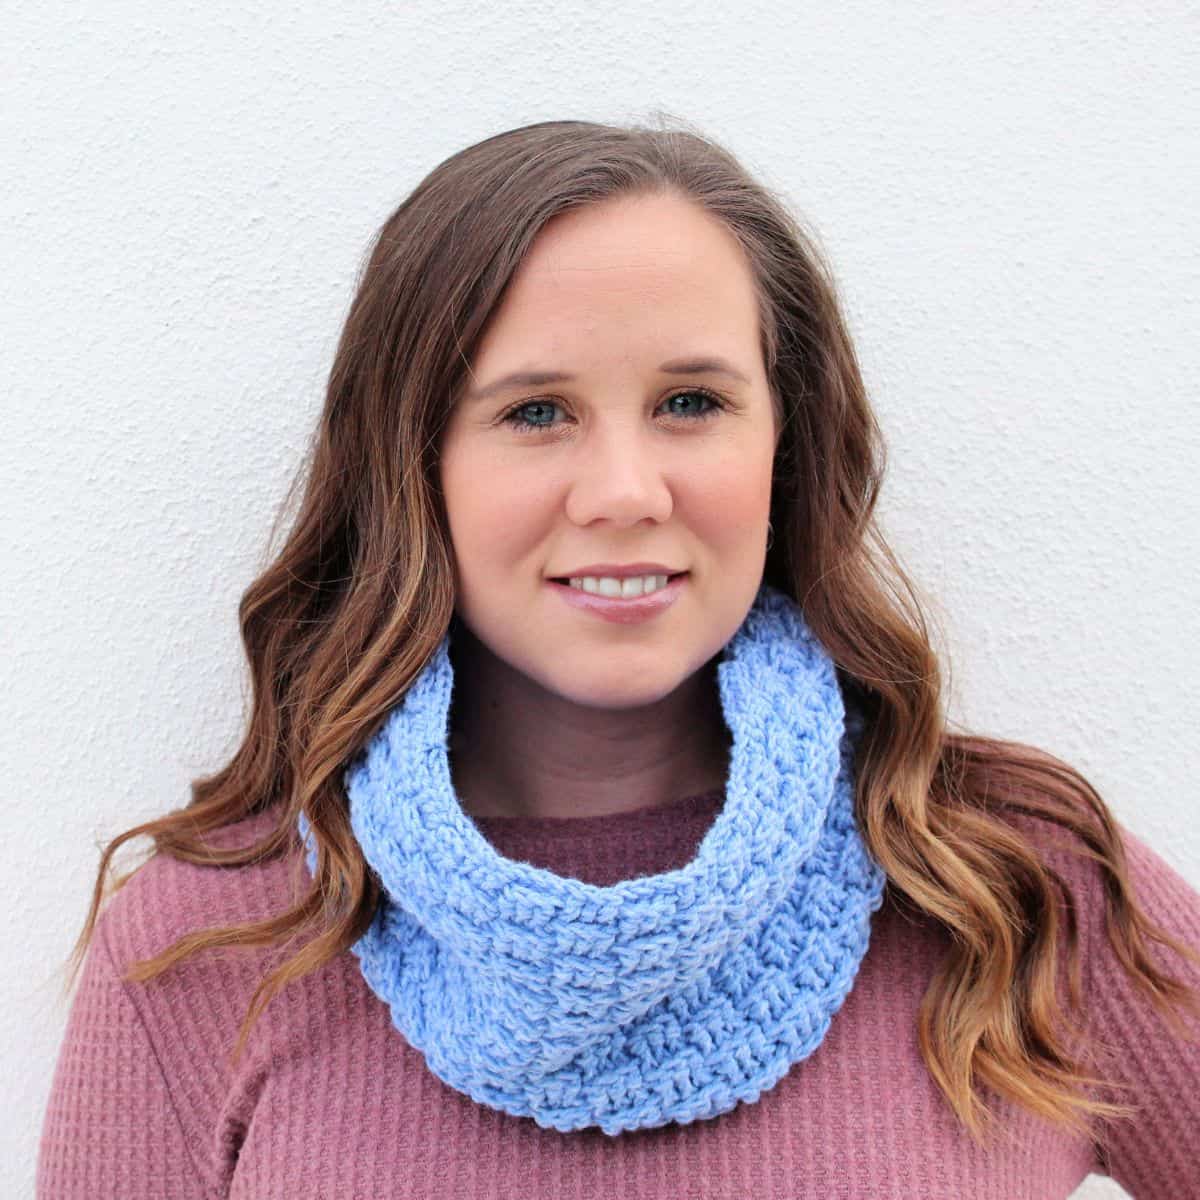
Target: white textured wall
{"type": "Point", "coordinates": [1008, 195]}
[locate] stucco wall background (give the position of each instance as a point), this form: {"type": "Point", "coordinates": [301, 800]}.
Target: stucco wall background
{"type": "Point", "coordinates": [1007, 193]}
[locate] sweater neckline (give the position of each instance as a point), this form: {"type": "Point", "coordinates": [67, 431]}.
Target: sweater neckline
{"type": "Point", "coordinates": [683, 808]}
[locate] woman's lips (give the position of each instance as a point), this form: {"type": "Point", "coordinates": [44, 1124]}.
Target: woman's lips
{"type": "Point", "coordinates": [623, 611]}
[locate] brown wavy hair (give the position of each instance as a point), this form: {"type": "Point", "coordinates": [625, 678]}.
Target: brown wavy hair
{"type": "Point", "coordinates": [354, 603]}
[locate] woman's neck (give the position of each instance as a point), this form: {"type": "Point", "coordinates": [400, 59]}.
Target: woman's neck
{"type": "Point", "coordinates": [518, 749]}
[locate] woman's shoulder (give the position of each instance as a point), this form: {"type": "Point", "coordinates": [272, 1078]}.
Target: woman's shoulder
{"type": "Point", "coordinates": [145, 1071]}
{"type": "Point", "coordinates": [1153, 1064]}
{"type": "Point", "coordinates": [1159, 889]}
{"type": "Point", "coordinates": [167, 898]}
{"type": "Point", "coordinates": [1158, 886]}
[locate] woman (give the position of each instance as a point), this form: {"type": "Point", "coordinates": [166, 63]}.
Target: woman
{"type": "Point", "coordinates": [598, 829]}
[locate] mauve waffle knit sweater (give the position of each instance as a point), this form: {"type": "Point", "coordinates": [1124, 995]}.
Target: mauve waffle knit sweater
{"type": "Point", "coordinates": [331, 1103]}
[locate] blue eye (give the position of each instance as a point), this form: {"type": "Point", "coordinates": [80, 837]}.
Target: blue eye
{"type": "Point", "coordinates": [515, 418]}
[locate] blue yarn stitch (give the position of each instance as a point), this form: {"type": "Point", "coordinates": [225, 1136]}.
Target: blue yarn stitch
{"type": "Point", "coordinates": [669, 997]}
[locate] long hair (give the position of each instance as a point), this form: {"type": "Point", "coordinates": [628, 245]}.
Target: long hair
{"type": "Point", "coordinates": [354, 603]}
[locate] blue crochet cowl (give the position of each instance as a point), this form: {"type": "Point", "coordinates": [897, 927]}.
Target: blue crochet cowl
{"type": "Point", "coordinates": [669, 997]}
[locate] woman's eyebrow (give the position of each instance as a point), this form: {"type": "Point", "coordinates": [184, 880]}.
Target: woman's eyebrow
{"type": "Point", "coordinates": [711, 365]}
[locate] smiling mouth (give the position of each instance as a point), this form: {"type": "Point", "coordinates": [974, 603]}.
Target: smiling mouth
{"type": "Point", "coordinates": [566, 579]}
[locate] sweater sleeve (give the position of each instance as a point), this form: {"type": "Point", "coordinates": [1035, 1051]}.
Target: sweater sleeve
{"type": "Point", "coordinates": [1154, 1155]}
{"type": "Point", "coordinates": [110, 1127]}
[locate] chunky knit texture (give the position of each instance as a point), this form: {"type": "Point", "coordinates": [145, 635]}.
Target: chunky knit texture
{"type": "Point", "coordinates": [330, 1102]}
{"type": "Point", "coordinates": [671, 997]}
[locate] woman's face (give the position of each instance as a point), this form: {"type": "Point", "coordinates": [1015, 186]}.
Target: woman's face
{"type": "Point", "coordinates": [619, 461]}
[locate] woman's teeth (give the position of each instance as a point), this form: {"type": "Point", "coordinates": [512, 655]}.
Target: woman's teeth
{"type": "Point", "coordinates": [635, 585]}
